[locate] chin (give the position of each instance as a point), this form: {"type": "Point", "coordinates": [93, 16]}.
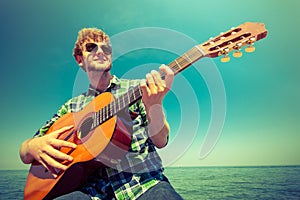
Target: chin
{"type": "Point", "coordinates": [100, 69]}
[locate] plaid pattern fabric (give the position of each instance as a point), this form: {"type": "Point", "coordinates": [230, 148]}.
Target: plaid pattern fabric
{"type": "Point", "coordinates": [142, 167]}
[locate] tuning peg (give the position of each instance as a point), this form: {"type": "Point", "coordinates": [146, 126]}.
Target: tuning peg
{"type": "Point", "coordinates": [250, 49]}
{"type": "Point", "coordinates": [224, 52]}
{"type": "Point", "coordinates": [225, 59]}
{"type": "Point", "coordinates": [237, 54]}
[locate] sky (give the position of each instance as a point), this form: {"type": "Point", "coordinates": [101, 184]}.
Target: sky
{"type": "Point", "coordinates": [245, 112]}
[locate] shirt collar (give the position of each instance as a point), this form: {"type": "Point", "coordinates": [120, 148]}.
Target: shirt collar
{"type": "Point", "coordinates": [113, 82]}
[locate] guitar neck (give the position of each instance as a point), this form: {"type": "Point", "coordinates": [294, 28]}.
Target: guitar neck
{"type": "Point", "coordinates": [185, 60]}
{"type": "Point", "coordinates": [135, 93]}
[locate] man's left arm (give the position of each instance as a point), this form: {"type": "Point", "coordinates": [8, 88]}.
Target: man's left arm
{"type": "Point", "coordinates": [154, 90]}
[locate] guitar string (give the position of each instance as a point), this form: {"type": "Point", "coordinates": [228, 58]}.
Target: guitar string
{"type": "Point", "coordinates": [190, 55]}
{"type": "Point", "coordinates": [177, 65]}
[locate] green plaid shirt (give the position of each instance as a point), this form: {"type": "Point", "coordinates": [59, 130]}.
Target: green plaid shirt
{"type": "Point", "coordinates": [142, 167]}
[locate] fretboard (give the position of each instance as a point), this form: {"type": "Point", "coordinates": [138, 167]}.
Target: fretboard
{"type": "Point", "coordinates": [135, 93]}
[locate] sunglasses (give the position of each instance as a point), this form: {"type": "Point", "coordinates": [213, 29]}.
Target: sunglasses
{"type": "Point", "coordinates": [94, 47]}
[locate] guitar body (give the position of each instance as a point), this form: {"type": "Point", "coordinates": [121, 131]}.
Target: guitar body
{"type": "Point", "coordinates": [110, 140]}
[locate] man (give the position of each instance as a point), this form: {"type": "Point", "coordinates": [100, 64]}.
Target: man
{"type": "Point", "coordinates": [144, 179]}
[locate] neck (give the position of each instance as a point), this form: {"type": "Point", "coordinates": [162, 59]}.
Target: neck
{"type": "Point", "coordinates": [99, 79]}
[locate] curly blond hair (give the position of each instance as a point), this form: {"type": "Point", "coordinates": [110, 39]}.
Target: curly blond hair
{"type": "Point", "coordinates": [85, 34]}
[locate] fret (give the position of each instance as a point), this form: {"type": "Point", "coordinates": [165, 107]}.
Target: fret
{"type": "Point", "coordinates": [128, 96]}
{"type": "Point", "coordinates": [115, 109]}
{"type": "Point", "coordinates": [200, 50]}
{"type": "Point", "coordinates": [178, 65]}
{"type": "Point", "coordinates": [188, 57]}
{"type": "Point", "coordinates": [123, 101]}
{"type": "Point", "coordinates": [140, 91]}
{"type": "Point", "coordinates": [133, 92]}
{"type": "Point", "coordinates": [183, 62]}
{"type": "Point", "coordinates": [103, 114]}
{"type": "Point", "coordinates": [101, 117]}
{"type": "Point", "coordinates": [132, 98]}
{"type": "Point", "coordinates": [173, 66]}
{"type": "Point", "coordinates": [110, 110]}
{"type": "Point", "coordinates": [106, 112]}
{"type": "Point", "coordinates": [195, 53]}
{"type": "Point", "coordinates": [97, 118]}
{"type": "Point", "coordinates": [94, 120]}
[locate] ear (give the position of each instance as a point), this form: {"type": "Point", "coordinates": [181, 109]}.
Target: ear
{"type": "Point", "coordinates": [79, 61]}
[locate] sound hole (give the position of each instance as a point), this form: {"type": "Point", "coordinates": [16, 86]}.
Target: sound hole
{"type": "Point", "coordinates": [85, 128]}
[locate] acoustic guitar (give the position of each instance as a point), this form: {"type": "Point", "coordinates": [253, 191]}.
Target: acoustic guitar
{"type": "Point", "coordinates": [99, 133]}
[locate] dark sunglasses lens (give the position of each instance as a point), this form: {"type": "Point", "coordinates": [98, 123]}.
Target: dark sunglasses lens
{"type": "Point", "coordinates": [91, 47]}
{"type": "Point", "coordinates": [106, 49]}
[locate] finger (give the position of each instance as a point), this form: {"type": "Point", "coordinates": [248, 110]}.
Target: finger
{"type": "Point", "coordinates": [166, 69]}
{"type": "Point", "coordinates": [62, 130]}
{"type": "Point", "coordinates": [144, 88]}
{"type": "Point", "coordinates": [51, 163]}
{"type": "Point", "coordinates": [151, 84]}
{"type": "Point", "coordinates": [52, 171]}
{"type": "Point", "coordinates": [160, 84]}
{"type": "Point", "coordinates": [57, 143]}
{"type": "Point", "coordinates": [42, 162]}
{"type": "Point", "coordinates": [54, 153]}
{"type": "Point", "coordinates": [49, 168]}
{"type": "Point", "coordinates": [169, 75]}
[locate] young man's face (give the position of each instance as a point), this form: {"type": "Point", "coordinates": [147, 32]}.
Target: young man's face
{"type": "Point", "coordinates": [96, 56]}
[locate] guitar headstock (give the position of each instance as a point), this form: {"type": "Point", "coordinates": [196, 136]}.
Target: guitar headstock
{"type": "Point", "coordinates": [233, 40]}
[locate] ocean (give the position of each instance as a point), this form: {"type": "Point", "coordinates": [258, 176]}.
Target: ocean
{"type": "Point", "coordinates": [263, 182]}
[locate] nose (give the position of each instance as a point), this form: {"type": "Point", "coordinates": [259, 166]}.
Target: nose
{"type": "Point", "coordinates": [99, 50]}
